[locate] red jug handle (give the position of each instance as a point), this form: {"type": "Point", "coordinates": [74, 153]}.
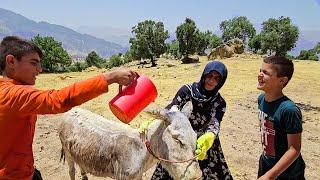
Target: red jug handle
{"type": "Point", "coordinates": [120, 86]}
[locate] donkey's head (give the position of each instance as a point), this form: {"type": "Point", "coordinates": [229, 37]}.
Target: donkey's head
{"type": "Point", "coordinates": [177, 142]}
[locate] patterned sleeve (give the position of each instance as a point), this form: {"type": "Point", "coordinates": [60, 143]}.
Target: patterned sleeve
{"type": "Point", "coordinates": [217, 112]}
{"type": "Point", "coordinates": [181, 98]}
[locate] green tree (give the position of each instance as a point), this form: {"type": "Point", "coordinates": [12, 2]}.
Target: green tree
{"type": "Point", "coordinates": [128, 56]}
{"type": "Point", "coordinates": [291, 57]}
{"type": "Point", "coordinates": [187, 37]}
{"type": "Point", "coordinates": [316, 48]}
{"type": "Point", "coordinates": [304, 55]}
{"type": "Point", "coordinates": [93, 59]}
{"type": "Point", "coordinates": [255, 43]}
{"type": "Point", "coordinates": [173, 49]}
{"type": "Point", "coordinates": [203, 41]}
{"type": "Point", "coordinates": [214, 41]}
{"type": "Point", "coordinates": [134, 51]}
{"type": "Point", "coordinates": [314, 57]}
{"type": "Point", "coordinates": [115, 61]}
{"type": "Point", "coordinates": [55, 58]}
{"type": "Point", "coordinates": [310, 54]}
{"type": "Point", "coordinates": [238, 27]}
{"type": "Point", "coordinates": [149, 40]}
{"type": "Point", "coordinates": [78, 66]}
{"type": "Point", "coordinates": [278, 36]}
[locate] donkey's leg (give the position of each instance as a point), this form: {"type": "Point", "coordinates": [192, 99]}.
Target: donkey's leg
{"type": "Point", "coordinates": [83, 174]}
{"type": "Point", "coordinates": [72, 170]}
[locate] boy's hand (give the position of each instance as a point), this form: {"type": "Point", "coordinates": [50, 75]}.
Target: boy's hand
{"type": "Point", "coordinates": [204, 143]}
{"type": "Point", "coordinates": [122, 77]}
{"type": "Point", "coordinates": [266, 177]}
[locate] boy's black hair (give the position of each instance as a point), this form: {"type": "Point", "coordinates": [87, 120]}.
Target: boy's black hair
{"type": "Point", "coordinates": [17, 47]}
{"type": "Point", "coordinates": [284, 67]}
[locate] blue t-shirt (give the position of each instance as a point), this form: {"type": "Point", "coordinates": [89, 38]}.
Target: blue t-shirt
{"type": "Point", "coordinates": [277, 119]}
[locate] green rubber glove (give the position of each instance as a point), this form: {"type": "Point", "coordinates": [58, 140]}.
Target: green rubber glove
{"type": "Point", "coordinates": [144, 126]}
{"type": "Point", "coordinates": [204, 143]}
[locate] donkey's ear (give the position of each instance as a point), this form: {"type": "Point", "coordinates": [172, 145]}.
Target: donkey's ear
{"type": "Point", "coordinates": [155, 112]}
{"type": "Point", "coordinates": [187, 109]}
{"type": "Point", "coordinates": [174, 108]}
{"type": "Point", "coordinates": [165, 113]}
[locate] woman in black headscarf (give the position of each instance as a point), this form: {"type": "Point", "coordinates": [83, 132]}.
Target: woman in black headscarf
{"type": "Point", "coordinates": [208, 110]}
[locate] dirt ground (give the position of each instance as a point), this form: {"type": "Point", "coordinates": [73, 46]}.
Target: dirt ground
{"type": "Point", "coordinates": [239, 134]}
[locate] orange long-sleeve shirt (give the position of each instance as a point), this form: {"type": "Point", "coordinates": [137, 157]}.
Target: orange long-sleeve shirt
{"type": "Point", "coordinates": [19, 106]}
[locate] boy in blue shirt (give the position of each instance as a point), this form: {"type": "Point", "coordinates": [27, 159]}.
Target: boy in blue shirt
{"type": "Point", "coordinates": [280, 123]}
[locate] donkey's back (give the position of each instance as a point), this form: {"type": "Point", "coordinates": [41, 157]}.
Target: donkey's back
{"type": "Point", "coordinates": [100, 146]}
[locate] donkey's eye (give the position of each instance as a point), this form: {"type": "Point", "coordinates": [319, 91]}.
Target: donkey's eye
{"type": "Point", "coordinates": [178, 141]}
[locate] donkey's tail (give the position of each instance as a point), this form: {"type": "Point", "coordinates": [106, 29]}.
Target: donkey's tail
{"type": "Point", "coordinates": [62, 156]}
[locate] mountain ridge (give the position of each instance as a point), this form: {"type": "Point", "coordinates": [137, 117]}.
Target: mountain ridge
{"type": "Point", "coordinates": [105, 40]}
{"type": "Point", "coordinates": [74, 42]}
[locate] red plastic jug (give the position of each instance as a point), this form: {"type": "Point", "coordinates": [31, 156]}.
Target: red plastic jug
{"type": "Point", "coordinates": [131, 100]}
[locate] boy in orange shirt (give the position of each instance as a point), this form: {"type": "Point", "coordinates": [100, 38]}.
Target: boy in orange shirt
{"type": "Point", "coordinates": [20, 103]}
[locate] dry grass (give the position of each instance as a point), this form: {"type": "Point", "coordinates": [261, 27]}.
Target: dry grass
{"type": "Point", "coordinates": [242, 80]}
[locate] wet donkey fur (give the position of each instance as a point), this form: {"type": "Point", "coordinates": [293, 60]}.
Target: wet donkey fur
{"type": "Point", "coordinates": [110, 149]}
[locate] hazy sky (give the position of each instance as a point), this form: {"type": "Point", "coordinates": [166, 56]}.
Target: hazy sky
{"type": "Point", "coordinates": [124, 14]}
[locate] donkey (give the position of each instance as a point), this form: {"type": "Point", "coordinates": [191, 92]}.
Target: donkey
{"type": "Point", "coordinates": [111, 149]}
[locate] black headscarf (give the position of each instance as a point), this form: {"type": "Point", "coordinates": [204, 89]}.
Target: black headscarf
{"type": "Point", "coordinates": [199, 92]}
